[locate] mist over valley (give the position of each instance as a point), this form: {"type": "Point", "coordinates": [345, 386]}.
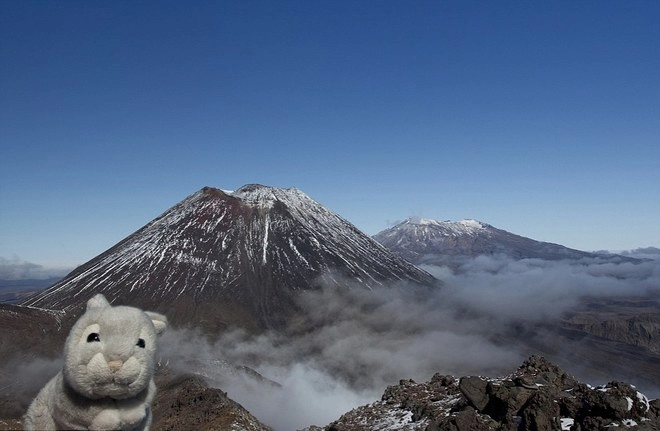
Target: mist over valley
{"type": "Point", "coordinates": [287, 307]}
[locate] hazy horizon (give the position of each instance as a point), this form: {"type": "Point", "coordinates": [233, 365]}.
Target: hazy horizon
{"type": "Point", "coordinates": [15, 268]}
{"type": "Point", "coordinates": [540, 119]}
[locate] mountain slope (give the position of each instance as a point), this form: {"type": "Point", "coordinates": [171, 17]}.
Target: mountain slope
{"type": "Point", "coordinates": [233, 258]}
{"type": "Point", "coordinates": [187, 402]}
{"type": "Point", "coordinates": [432, 241]}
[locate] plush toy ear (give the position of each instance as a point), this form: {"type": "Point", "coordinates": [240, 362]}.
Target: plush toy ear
{"type": "Point", "coordinates": [97, 301]}
{"type": "Point", "coordinates": [159, 321]}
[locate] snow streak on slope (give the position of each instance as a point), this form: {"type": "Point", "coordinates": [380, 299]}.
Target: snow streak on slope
{"type": "Point", "coordinates": [248, 251]}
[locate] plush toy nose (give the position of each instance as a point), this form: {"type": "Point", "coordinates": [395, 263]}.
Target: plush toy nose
{"type": "Point", "coordinates": [115, 365]}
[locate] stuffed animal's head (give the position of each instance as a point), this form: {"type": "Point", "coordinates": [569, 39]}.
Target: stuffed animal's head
{"type": "Point", "coordinates": [110, 351]}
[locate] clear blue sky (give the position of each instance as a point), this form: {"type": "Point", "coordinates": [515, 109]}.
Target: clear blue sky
{"type": "Point", "coordinates": [541, 118]}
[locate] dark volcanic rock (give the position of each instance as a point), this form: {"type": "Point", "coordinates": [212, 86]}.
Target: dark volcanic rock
{"type": "Point", "coordinates": [537, 397]}
{"type": "Point", "coordinates": [187, 403]}
{"type": "Point", "coordinates": [474, 389]}
{"type": "Point", "coordinates": [220, 259]}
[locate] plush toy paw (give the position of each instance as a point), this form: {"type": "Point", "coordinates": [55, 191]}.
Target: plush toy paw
{"type": "Point", "coordinates": [106, 420]}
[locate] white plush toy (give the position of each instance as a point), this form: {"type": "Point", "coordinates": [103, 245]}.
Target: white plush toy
{"type": "Point", "coordinates": [107, 379]}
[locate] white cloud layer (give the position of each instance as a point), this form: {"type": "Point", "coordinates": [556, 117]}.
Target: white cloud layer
{"type": "Point", "coordinates": [355, 342]}
{"type": "Point", "coordinates": [17, 269]}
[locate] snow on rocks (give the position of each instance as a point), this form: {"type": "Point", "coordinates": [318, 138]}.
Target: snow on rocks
{"type": "Point", "coordinates": [537, 396]}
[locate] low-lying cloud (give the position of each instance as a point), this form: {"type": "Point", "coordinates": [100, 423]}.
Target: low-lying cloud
{"type": "Point", "coordinates": [541, 290]}
{"type": "Point", "coordinates": [643, 253]}
{"type": "Point", "coordinates": [352, 343]}
{"type": "Point", "coordinates": [17, 269]}
{"type": "Point", "coordinates": [343, 353]}
{"type": "Point", "coordinates": [21, 379]}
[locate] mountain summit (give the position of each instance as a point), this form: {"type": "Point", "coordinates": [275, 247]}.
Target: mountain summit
{"type": "Point", "coordinates": [432, 241]}
{"type": "Point", "coordinates": [222, 258]}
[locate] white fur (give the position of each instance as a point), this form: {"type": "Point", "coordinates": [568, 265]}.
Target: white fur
{"type": "Point", "coordinates": [107, 379]}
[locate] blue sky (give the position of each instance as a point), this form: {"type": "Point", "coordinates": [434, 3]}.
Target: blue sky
{"type": "Point", "coordinates": [539, 118]}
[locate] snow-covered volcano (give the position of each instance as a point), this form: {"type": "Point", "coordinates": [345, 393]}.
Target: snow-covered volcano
{"type": "Point", "coordinates": [223, 258]}
{"type": "Point", "coordinates": [428, 241]}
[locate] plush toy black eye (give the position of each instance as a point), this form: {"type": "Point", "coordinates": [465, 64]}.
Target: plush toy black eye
{"type": "Point", "coordinates": [141, 343]}
{"type": "Point", "coordinates": [93, 337]}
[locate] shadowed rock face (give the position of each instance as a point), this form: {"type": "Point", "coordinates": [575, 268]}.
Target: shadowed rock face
{"type": "Point", "coordinates": [233, 258]}
{"type": "Point", "coordinates": [538, 396]}
{"type": "Point", "coordinates": [632, 321]}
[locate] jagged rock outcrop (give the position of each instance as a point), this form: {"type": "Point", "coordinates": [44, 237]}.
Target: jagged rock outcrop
{"type": "Point", "coordinates": [538, 396]}
{"type": "Point", "coordinates": [188, 403]}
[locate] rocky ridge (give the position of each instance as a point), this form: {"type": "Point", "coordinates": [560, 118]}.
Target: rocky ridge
{"type": "Point", "coordinates": [538, 396]}
{"type": "Point", "coordinates": [186, 402]}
